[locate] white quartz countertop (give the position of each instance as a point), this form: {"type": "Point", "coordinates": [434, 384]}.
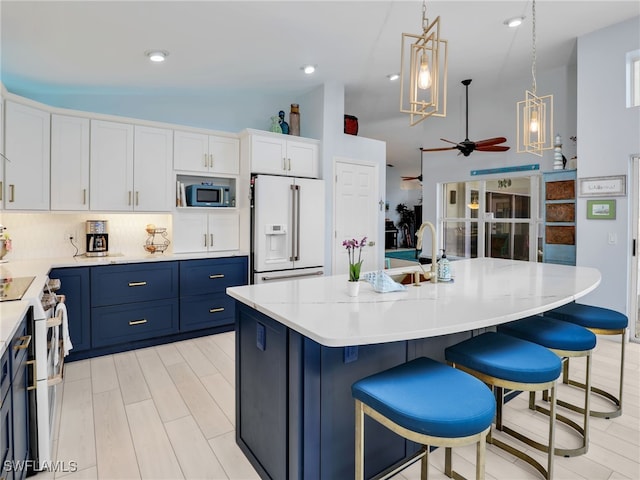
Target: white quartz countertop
{"type": "Point", "coordinates": [12, 312]}
{"type": "Point", "coordinates": [485, 292]}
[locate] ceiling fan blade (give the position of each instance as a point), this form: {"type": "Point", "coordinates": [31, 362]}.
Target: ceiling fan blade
{"type": "Point", "coordinates": [448, 141]}
{"type": "Point", "coordinates": [490, 141]}
{"type": "Point", "coordinates": [493, 148]}
{"type": "Point", "coordinates": [440, 149]}
{"type": "Point", "coordinates": [419, 177]}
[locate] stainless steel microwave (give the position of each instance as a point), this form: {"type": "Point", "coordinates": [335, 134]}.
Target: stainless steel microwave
{"type": "Point", "coordinates": [207, 195]}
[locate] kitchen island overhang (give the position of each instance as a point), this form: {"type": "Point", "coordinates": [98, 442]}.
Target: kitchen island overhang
{"type": "Point", "coordinates": [294, 411]}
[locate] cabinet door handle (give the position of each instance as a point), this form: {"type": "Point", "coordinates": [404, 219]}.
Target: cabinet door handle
{"type": "Point", "coordinates": [84, 196]}
{"type": "Point", "coordinates": [284, 163]}
{"type": "Point", "coordinates": [289, 165]}
{"type": "Point", "coordinates": [137, 284]}
{"type": "Point", "coordinates": [34, 375]}
{"type": "Point", "coordinates": [211, 160]}
{"type": "Point", "coordinates": [205, 240]}
{"type": "Point", "coordinates": [211, 239]}
{"type": "Point", "coordinates": [1, 189]}
{"type": "Point", "coordinates": [24, 343]}
{"type": "Point", "coordinates": [12, 192]}
{"type": "Point", "coordinates": [129, 203]}
{"type": "Point", "coordinates": [137, 197]}
{"type": "Point", "coordinates": [138, 322]}
{"type": "Point", "coordinates": [206, 160]}
{"type": "Point", "coordinates": [216, 310]}
{"type": "Point", "coordinates": [216, 275]}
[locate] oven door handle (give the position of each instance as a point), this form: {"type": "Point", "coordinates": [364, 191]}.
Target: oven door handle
{"type": "Point", "coordinates": [34, 376]}
{"type": "Point", "coordinates": [25, 341]}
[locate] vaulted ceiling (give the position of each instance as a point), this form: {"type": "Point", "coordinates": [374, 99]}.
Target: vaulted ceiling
{"type": "Point", "coordinates": [91, 46]}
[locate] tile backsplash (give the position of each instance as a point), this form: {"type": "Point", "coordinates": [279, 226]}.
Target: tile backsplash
{"type": "Point", "coordinates": [43, 235]}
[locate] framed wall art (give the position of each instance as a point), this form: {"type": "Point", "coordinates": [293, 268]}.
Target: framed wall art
{"type": "Point", "coordinates": [613, 186]}
{"type": "Point", "coordinates": [601, 209]}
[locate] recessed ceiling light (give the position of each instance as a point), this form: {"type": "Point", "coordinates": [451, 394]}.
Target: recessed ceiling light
{"type": "Point", "coordinates": [308, 69]}
{"type": "Point", "coordinates": [156, 55]}
{"type": "Point", "coordinates": [513, 22]}
{"type": "Point", "coordinates": [393, 77]}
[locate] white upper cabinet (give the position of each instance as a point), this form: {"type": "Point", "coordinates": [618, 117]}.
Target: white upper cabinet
{"type": "Point", "coordinates": [152, 176]}
{"type": "Point", "coordinates": [198, 152]}
{"type": "Point", "coordinates": [69, 163]}
{"type": "Point", "coordinates": [206, 232]}
{"type": "Point", "coordinates": [111, 186]}
{"type": "Point", "coordinates": [27, 146]}
{"type": "Point", "coordinates": [283, 155]}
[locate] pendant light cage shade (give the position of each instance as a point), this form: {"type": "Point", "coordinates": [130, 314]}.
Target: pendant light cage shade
{"type": "Point", "coordinates": [535, 124]}
{"type": "Point", "coordinates": [535, 114]}
{"type": "Point", "coordinates": [423, 74]}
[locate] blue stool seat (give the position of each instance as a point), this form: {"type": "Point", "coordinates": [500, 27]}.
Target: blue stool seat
{"type": "Point", "coordinates": [590, 316]}
{"type": "Point", "coordinates": [508, 358]}
{"type": "Point", "coordinates": [551, 333]}
{"type": "Point", "coordinates": [429, 397]}
{"type": "Point", "coordinates": [429, 403]}
{"type": "Point", "coordinates": [507, 362]}
{"type": "Point", "coordinates": [567, 340]}
{"type": "Point", "coordinates": [601, 321]}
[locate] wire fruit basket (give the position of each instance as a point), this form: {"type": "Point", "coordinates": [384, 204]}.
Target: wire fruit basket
{"type": "Point", "coordinates": [157, 241]}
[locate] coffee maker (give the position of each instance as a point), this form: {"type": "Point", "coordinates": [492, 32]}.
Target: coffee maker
{"type": "Point", "coordinates": [97, 238]}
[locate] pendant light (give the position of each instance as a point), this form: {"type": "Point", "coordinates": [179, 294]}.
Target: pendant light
{"type": "Point", "coordinates": [423, 72]}
{"type": "Point", "coordinates": [535, 114]}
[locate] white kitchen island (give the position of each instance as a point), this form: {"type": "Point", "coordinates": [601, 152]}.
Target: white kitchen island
{"type": "Point", "coordinates": [301, 344]}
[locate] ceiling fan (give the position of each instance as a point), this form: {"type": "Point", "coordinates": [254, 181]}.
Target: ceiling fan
{"type": "Point", "coordinates": [419, 177]}
{"type": "Point", "coordinates": [467, 146]}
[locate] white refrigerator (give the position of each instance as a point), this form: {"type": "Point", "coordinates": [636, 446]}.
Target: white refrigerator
{"type": "Point", "coordinates": [287, 228]}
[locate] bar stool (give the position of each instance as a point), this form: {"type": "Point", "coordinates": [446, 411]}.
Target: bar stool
{"type": "Point", "coordinates": [429, 403]}
{"type": "Point", "coordinates": [565, 340]}
{"type": "Point", "coordinates": [502, 361]}
{"type": "Point", "coordinates": [601, 321]}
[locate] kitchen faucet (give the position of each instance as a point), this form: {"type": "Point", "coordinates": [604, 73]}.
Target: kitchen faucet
{"type": "Point", "coordinates": [434, 248]}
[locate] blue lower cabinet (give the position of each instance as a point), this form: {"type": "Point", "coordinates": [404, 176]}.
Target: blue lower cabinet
{"type": "Point", "coordinates": [199, 277]}
{"type": "Point", "coordinates": [6, 418]}
{"type": "Point", "coordinates": [20, 420]}
{"type": "Point", "coordinates": [137, 282]}
{"type": "Point", "coordinates": [119, 324]}
{"type": "Point", "coordinates": [205, 311]}
{"type": "Point", "coordinates": [74, 284]}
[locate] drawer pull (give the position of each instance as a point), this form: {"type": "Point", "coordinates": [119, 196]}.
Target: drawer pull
{"type": "Point", "coordinates": [137, 284]}
{"type": "Point", "coordinates": [138, 322]}
{"type": "Point", "coordinates": [216, 310]}
{"type": "Point", "coordinates": [34, 385]}
{"type": "Point", "coordinates": [24, 342]}
{"type": "Point", "coordinates": [216, 275]}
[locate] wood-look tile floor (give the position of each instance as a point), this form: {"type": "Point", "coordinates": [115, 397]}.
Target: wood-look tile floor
{"type": "Point", "coordinates": [168, 412]}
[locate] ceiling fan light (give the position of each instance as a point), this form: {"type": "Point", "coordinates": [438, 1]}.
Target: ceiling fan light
{"type": "Point", "coordinates": [393, 77]}
{"type": "Point", "coordinates": [308, 69]}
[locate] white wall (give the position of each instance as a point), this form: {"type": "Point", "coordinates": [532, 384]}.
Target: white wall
{"type": "Point", "coordinates": [608, 134]}
{"type": "Point", "coordinates": [327, 124]}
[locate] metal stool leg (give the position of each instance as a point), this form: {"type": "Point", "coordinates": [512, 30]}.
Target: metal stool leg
{"type": "Point", "coordinates": [616, 401]}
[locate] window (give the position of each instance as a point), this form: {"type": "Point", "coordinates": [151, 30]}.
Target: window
{"type": "Point", "coordinates": [492, 218]}
{"type": "Point", "coordinates": [633, 79]}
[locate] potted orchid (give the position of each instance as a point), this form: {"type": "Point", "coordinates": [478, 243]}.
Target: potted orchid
{"type": "Point", "coordinates": [354, 266]}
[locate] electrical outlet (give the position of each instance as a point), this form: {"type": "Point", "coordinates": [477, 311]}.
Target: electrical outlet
{"type": "Point", "coordinates": [69, 235]}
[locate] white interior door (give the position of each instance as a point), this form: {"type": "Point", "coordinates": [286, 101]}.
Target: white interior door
{"type": "Point", "coordinates": [356, 212]}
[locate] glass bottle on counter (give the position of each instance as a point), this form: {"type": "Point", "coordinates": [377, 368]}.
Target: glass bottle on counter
{"type": "Point", "coordinates": [294, 120]}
